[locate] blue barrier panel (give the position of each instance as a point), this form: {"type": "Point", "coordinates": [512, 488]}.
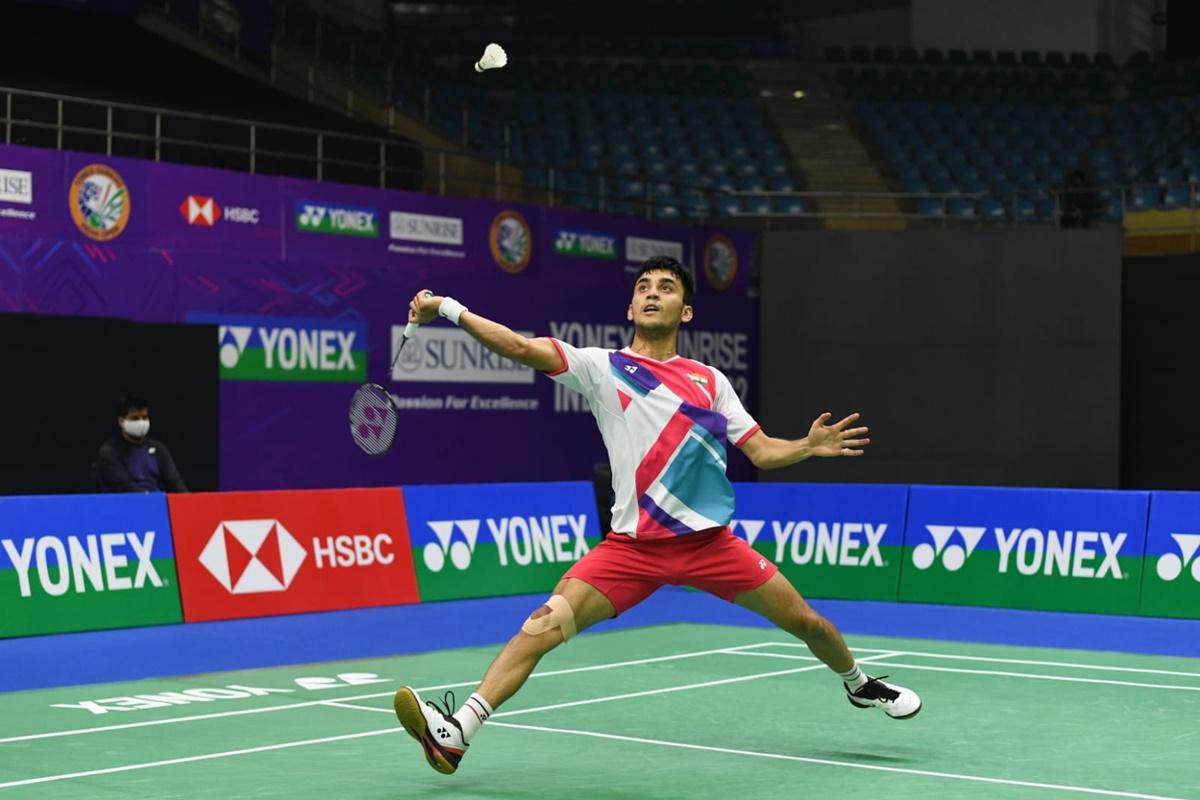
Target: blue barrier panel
{"type": "Point", "coordinates": [829, 540]}
{"type": "Point", "coordinates": [1171, 573]}
{"type": "Point", "coordinates": [1055, 549]}
{"type": "Point", "coordinates": [491, 539]}
{"type": "Point", "coordinates": [84, 562]}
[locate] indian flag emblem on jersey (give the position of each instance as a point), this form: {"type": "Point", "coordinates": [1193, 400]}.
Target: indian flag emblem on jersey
{"type": "Point", "coordinates": [699, 379]}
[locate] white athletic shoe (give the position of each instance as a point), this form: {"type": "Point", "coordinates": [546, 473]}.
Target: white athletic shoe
{"type": "Point", "coordinates": [439, 733]}
{"type": "Point", "coordinates": [896, 701]}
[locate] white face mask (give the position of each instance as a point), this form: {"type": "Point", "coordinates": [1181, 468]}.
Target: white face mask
{"type": "Point", "coordinates": [135, 428]}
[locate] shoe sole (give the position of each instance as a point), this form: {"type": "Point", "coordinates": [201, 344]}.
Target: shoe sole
{"type": "Point", "coordinates": [856, 704]}
{"type": "Point", "coordinates": [408, 711]}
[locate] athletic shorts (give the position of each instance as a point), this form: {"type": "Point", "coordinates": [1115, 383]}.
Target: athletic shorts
{"type": "Point", "coordinates": [627, 571]}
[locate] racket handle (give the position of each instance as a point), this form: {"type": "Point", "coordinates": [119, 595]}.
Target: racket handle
{"type": "Point", "coordinates": [411, 328]}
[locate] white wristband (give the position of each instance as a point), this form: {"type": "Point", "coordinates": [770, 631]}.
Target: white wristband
{"type": "Point", "coordinates": [451, 309]}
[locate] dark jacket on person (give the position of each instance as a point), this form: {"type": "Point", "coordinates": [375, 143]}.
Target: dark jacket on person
{"type": "Point", "coordinates": [145, 467]}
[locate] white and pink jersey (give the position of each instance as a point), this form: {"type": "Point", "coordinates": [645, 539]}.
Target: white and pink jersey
{"type": "Point", "coordinates": [665, 424]}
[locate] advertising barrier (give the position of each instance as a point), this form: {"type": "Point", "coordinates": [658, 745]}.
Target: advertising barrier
{"type": "Point", "coordinates": [1054, 549]}
{"type": "Point", "coordinates": [486, 540]}
{"type": "Point", "coordinates": [251, 554]}
{"type": "Point", "coordinates": [85, 562]}
{"type": "Point", "coordinates": [829, 540]}
{"type": "Point", "coordinates": [1171, 575]}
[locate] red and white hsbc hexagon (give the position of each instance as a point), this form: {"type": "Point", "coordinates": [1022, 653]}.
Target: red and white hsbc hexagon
{"type": "Point", "coordinates": [251, 554]}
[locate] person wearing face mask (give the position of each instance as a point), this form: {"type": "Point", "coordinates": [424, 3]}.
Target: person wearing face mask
{"type": "Point", "coordinates": [133, 462]}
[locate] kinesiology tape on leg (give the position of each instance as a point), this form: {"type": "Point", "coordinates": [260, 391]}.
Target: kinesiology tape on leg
{"type": "Point", "coordinates": [561, 616]}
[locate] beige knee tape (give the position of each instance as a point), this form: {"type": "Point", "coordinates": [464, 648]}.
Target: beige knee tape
{"type": "Point", "coordinates": [561, 616]}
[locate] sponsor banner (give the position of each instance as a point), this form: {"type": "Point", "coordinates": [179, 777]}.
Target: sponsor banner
{"type": "Point", "coordinates": [449, 355]}
{"type": "Point", "coordinates": [289, 349]}
{"type": "Point", "coordinates": [486, 540]}
{"type": "Point", "coordinates": [829, 540]}
{"type": "Point", "coordinates": [85, 562]}
{"type": "Point", "coordinates": [251, 554]}
{"type": "Point", "coordinates": [1054, 549]}
{"type": "Point", "coordinates": [1171, 574]}
{"type": "Point", "coordinates": [192, 249]}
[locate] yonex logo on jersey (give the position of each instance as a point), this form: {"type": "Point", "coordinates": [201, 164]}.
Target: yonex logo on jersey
{"type": "Point", "coordinates": [247, 556]}
{"type": "Point", "coordinates": [631, 368]}
{"type": "Point", "coordinates": [1170, 566]}
{"type": "Point", "coordinates": [954, 556]}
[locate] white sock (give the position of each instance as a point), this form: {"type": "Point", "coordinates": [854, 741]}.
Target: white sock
{"type": "Point", "coordinates": [855, 678]}
{"type": "Point", "coordinates": [472, 715]}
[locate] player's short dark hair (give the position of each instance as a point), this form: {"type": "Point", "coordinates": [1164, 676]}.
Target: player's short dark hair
{"type": "Point", "coordinates": [129, 402]}
{"type": "Point", "coordinates": [669, 264]}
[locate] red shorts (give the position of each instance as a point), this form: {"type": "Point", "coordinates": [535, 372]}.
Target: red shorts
{"type": "Point", "coordinates": [627, 571]}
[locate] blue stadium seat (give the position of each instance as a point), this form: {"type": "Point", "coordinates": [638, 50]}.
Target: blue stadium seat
{"type": "Point", "coordinates": [960, 208]}
{"type": "Point", "coordinates": [789, 205]}
{"type": "Point", "coordinates": [991, 209]}
{"type": "Point", "coordinates": [1143, 198]}
{"type": "Point", "coordinates": [1177, 196]}
{"type": "Point", "coordinates": [727, 204]}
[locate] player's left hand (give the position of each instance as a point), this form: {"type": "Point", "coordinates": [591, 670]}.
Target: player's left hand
{"type": "Point", "coordinates": [828, 441]}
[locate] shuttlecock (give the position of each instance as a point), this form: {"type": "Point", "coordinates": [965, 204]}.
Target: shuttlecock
{"type": "Point", "coordinates": [494, 57]}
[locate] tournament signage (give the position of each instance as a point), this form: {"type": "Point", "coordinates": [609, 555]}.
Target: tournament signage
{"type": "Point", "coordinates": [829, 540]}
{"type": "Point", "coordinates": [1054, 549]}
{"type": "Point", "coordinates": [250, 554]}
{"type": "Point", "coordinates": [309, 283]}
{"type": "Point", "coordinates": [1171, 577]}
{"type": "Point", "coordinates": [84, 562]}
{"type": "Point", "coordinates": [498, 539]}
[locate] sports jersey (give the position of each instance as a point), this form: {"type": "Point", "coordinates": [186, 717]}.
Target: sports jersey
{"type": "Point", "coordinates": [665, 425]}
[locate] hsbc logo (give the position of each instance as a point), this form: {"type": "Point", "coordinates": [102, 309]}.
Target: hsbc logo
{"type": "Point", "coordinates": [205, 212]}
{"type": "Point", "coordinates": [249, 556]}
{"type": "Point", "coordinates": [1170, 566]}
{"type": "Point", "coordinates": [954, 556]}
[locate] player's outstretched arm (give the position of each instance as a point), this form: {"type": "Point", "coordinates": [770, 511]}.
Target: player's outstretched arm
{"type": "Point", "coordinates": [539, 353]}
{"type": "Point", "coordinates": [825, 441]}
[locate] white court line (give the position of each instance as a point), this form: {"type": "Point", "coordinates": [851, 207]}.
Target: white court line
{"type": "Point", "coordinates": [287, 706]}
{"type": "Point", "coordinates": [188, 759]}
{"type": "Point", "coordinates": [303, 743]}
{"type": "Point", "coordinates": [846, 764]}
{"type": "Point", "coordinates": [1025, 662]}
{"type": "Point", "coordinates": [1002, 673]}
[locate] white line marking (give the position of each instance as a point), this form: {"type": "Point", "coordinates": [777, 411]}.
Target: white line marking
{"type": "Point", "coordinates": [847, 764]}
{"type": "Point", "coordinates": [1026, 662]}
{"type": "Point", "coordinates": [343, 704]}
{"type": "Point", "coordinates": [308, 704]}
{"type": "Point", "coordinates": [357, 707]}
{"type": "Point", "coordinates": [1002, 673]}
{"type": "Point", "coordinates": [188, 759]}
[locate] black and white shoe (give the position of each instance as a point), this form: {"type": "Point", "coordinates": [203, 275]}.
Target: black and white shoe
{"type": "Point", "coordinates": [896, 701]}
{"type": "Point", "coordinates": [439, 733]}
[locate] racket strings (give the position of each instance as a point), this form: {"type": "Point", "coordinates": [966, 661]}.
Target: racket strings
{"type": "Point", "coordinates": [372, 419]}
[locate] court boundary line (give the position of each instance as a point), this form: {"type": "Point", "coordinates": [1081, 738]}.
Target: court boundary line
{"type": "Point", "coordinates": [323, 740]}
{"type": "Point", "coordinates": [1001, 673]}
{"type": "Point", "coordinates": [309, 703]}
{"type": "Point", "coordinates": [846, 764]}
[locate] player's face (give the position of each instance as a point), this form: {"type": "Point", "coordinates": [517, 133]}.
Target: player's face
{"type": "Point", "coordinates": [658, 302]}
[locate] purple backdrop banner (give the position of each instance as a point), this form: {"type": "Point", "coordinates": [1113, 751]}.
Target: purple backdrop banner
{"type": "Point", "coordinates": [307, 280]}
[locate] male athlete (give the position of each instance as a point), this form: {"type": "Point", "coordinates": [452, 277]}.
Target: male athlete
{"type": "Point", "coordinates": [665, 420]}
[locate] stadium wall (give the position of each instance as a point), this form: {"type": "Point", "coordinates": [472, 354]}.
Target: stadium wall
{"type": "Point", "coordinates": [86, 562]}
{"type": "Point", "coordinates": [987, 357]}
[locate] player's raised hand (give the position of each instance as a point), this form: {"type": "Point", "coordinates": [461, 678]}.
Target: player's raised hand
{"type": "Point", "coordinates": [837, 439]}
{"type": "Point", "coordinates": [424, 307]}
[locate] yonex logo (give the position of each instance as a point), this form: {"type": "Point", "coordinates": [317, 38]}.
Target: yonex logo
{"type": "Point", "coordinates": [751, 528]}
{"type": "Point", "coordinates": [954, 556]}
{"type": "Point", "coordinates": [520, 541]}
{"type": "Point", "coordinates": [312, 216]}
{"type": "Point", "coordinates": [1170, 566]}
{"type": "Point", "coordinates": [233, 339]}
{"type": "Point", "coordinates": [631, 368]}
{"type": "Point", "coordinates": [844, 544]}
{"type": "Point", "coordinates": [253, 555]}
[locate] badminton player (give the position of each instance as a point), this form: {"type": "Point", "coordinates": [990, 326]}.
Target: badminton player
{"type": "Point", "coordinates": [666, 421]}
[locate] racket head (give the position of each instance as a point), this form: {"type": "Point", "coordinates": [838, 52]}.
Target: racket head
{"type": "Point", "coordinates": [373, 419]}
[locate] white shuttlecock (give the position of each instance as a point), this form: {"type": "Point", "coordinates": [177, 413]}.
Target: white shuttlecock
{"type": "Point", "coordinates": [494, 57]}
